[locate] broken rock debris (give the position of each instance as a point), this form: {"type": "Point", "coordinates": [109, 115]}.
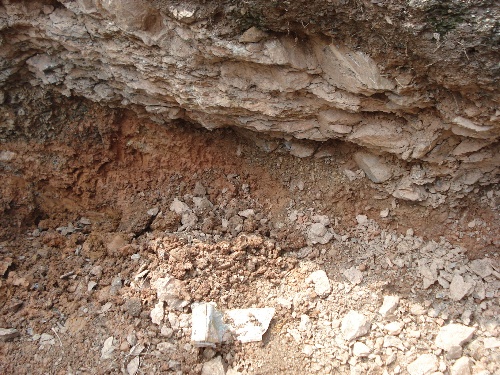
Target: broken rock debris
{"type": "Point", "coordinates": [211, 327]}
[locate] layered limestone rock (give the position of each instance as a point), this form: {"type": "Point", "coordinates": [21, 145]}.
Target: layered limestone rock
{"type": "Point", "coordinates": [169, 60]}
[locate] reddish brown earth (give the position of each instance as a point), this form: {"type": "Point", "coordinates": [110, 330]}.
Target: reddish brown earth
{"type": "Point", "coordinates": [85, 161]}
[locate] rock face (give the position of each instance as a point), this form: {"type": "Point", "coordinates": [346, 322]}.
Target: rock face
{"type": "Point", "coordinates": [422, 91]}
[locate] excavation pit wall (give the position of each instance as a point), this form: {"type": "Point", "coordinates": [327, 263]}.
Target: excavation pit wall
{"type": "Point", "coordinates": [426, 112]}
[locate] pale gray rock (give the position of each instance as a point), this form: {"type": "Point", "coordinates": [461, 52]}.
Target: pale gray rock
{"type": "Point", "coordinates": [157, 313]}
{"type": "Point", "coordinates": [302, 149]}
{"type": "Point", "coordinates": [374, 167]}
{"type": "Point", "coordinates": [108, 348]}
{"type": "Point", "coordinates": [166, 347]}
{"type": "Point", "coordinates": [179, 207]}
{"type": "Point", "coordinates": [133, 366]}
{"type": "Point", "coordinates": [389, 306]}
{"type": "Point", "coordinates": [319, 233]}
{"type": "Point", "coordinates": [8, 334]}
{"type": "Point", "coordinates": [454, 352]}
{"type": "Point", "coordinates": [360, 350]}
{"type": "Point", "coordinates": [153, 211]}
{"type": "Point", "coordinates": [171, 291]}
{"type": "Point", "coordinates": [214, 367]}
{"type": "Point", "coordinates": [453, 335]}
{"type": "Point", "coordinates": [354, 325]}
{"type": "Point", "coordinates": [393, 342]}
{"type": "Point", "coordinates": [253, 35]}
{"type": "Point", "coordinates": [425, 364]}
{"type": "Point", "coordinates": [459, 288]}
{"type": "Point", "coordinates": [482, 267]}
{"type": "Point", "coordinates": [321, 283]}
{"type": "Point", "coordinates": [354, 275]}
{"type": "Point", "coordinates": [461, 367]}
{"type": "Point", "coordinates": [46, 339]}
{"type": "Point", "coordinates": [394, 328]}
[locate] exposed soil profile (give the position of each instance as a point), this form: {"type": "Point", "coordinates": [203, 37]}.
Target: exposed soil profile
{"type": "Point", "coordinates": [87, 198]}
{"type": "Point", "coordinates": [251, 187]}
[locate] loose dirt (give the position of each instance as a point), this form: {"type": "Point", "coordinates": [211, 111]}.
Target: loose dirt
{"type": "Point", "coordinates": [88, 225]}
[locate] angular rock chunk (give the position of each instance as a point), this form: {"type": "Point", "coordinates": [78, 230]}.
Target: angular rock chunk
{"type": "Point", "coordinates": [354, 325]}
{"type": "Point", "coordinates": [321, 283]}
{"type": "Point", "coordinates": [373, 166]}
{"type": "Point", "coordinates": [389, 305]}
{"type": "Point", "coordinates": [423, 365]}
{"type": "Point", "coordinates": [453, 335]}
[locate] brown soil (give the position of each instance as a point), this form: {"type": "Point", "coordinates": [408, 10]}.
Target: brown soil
{"type": "Point", "coordinates": [111, 168]}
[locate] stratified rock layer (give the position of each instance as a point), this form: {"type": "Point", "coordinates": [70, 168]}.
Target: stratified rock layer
{"type": "Point", "coordinates": [215, 65]}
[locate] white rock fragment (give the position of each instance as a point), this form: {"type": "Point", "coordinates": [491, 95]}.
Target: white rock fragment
{"type": "Point", "coordinates": [374, 167]}
{"type": "Point", "coordinates": [136, 350]}
{"type": "Point", "coordinates": [213, 367]}
{"type": "Point", "coordinates": [248, 325]}
{"type": "Point", "coordinates": [7, 334]}
{"type": "Point", "coordinates": [308, 350]}
{"type": "Point", "coordinates": [157, 313]}
{"type": "Point", "coordinates": [133, 366]}
{"type": "Point", "coordinates": [362, 219]}
{"type": "Point", "coordinates": [170, 290]}
{"type": "Point", "coordinates": [482, 267]}
{"type": "Point", "coordinates": [459, 288]}
{"type": "Point", "coordinates": [354, 275]}
{"type": "Point", "coordinates": [321, 283]}
{"type": "Point", "coordinates": [384, 213]}
{"type": "Point", "coordinates": [393, 342]}
{"type": "Point", "coordinates": [153, 211]}
{"type": "Point", "coordinates": [389, 305]}
{"type": "Point", "coordinates": [354, 325]}
{"type": "Point", "coordinates": [461, 367]}
{"type": "Point", "coordinates": [179, 207]}
{"type": "Point", "coordinates": [208, 328]}
{"type": "Point", "coordinates": [425, 364]}
{"type": "Point", "coordinates": [46, 339]}
{"type": "Point", "coordinates": [394, 328]}
{"type": "Point", "coordinates": [319, 233]}
{"type": "Point", "coordinates": [91, 285]}
{"type": "Point", "coordinates": [360, 350]}
{"type": "Point", "coordinates": [491, 343]}
{"type": "Point", "coordinates": [247, 213]}
{"type": "Point", "coordinates": [108, 348]}
{"type": "Point", "coordinates": [453, 335]}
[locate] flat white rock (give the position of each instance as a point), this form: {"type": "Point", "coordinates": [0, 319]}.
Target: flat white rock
{"type": "Point", "coordinates": [453, 335]}
{"type": "Point", "coordinates": [249, 324]}
{"type": "Point", "coordinates": [208, 328]}
{"type": "Point", "coordinates": [321, 283]}
{"type": "Point", "coordinates": [423, 365]}
{"type": "Point", "coordinates": [354, 325]}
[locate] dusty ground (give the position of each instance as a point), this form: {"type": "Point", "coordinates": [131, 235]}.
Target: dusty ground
{"type": "Point", "coordinates": [86, 195]}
